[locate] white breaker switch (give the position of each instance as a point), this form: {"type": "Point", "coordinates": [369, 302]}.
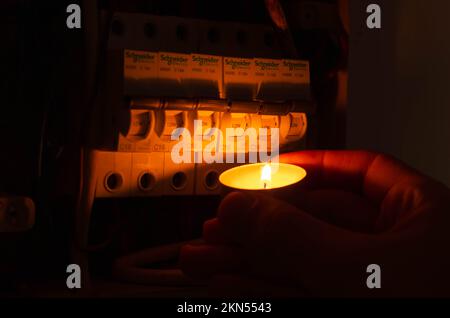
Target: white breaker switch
{"type": "Point", "coordinates": [142, 123]}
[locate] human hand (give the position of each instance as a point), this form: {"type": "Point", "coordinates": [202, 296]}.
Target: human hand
{"type": "Point", "coordinates": [354, 209]}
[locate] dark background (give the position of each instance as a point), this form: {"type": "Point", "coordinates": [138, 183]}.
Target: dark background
{"type": "Point", "coordinates": [46, 98]}
{"type": "Point", "coordinates": [398, 84]}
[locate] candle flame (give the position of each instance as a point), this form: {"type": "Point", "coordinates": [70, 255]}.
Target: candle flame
{"type": "Point", "coordinates": [266, 174]}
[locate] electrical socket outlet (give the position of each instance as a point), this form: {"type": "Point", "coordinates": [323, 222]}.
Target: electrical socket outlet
{"type": "Point", "coordinates": [113, 173]}
{"type": "Point", "coordinates": [207, 177]}
{"type": "Point", "coordinates": [178, 178]}
{"type": "Point", "coordinates": [147, 174]}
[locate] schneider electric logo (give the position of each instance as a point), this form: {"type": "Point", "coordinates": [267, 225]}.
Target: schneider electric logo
{"type": "Point", "coordinates": [267, 65]}
{"type": "Point", "coordinates": [237, 63]}
{"type": "Point", "coordinates": [138, 57]}
{"type": "Point", "coordinates": [294, 65]}
{"type": "Point", "coordinates": [177, 60]}
{"type": "Point", "coordinates": [205, 60]}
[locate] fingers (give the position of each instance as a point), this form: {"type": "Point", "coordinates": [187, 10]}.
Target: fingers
{"type": "Point", "coordinates": [215, 233]}
{"type": "Point", "coordinates": [237, 214]}
{"type": "Point", "coordinates": [369, 174]}
{"type": "Point", "coordinates": [203, 261]}
{"type": "Point", "coordinates": [333, 169]}
{"type": "Point", "coordinates": [342, 208]}
{"type": "Point", "coordinates": [342, 169]}
{"type": "Point", "coordinates": [273, 240]}
{"type": "Point", "coordinates": [245, 218]}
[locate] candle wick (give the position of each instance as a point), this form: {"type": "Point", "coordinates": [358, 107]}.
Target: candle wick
{"type": "Point", "coordinates": [265, 185]}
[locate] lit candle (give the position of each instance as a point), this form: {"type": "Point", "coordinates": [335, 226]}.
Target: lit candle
{"type": "Point", "coordinates": [262, 176]}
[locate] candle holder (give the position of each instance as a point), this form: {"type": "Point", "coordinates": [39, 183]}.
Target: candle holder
{"type": "Point", "coordinates": [267, 178]}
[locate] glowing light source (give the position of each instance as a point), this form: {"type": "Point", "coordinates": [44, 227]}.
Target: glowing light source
{"type": "Point", "coordinates": [262, 176]}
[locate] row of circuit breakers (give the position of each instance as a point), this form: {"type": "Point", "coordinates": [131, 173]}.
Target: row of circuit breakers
{"type": "Point", "coordinates": [143, 166]}
{"type": "Point", "coordinates": [211, 76]}
{"type": "Point", "coordinates": [177, 71]}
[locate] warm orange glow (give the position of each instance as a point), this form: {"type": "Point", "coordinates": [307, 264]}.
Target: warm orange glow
{"type": "Point", "coordinates": [262, 176]}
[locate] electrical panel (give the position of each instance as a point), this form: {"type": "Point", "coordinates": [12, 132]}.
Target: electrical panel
{"type": "Point", "coordinates": [171, 73]}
